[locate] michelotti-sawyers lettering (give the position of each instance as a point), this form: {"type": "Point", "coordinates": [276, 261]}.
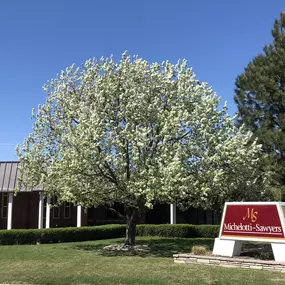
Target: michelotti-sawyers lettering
{"type": "Point", "coordinates": [251, 228]}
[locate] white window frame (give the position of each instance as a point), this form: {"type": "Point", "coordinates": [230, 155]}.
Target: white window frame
{"type": "Point", "coordinates": [53, 209]}
{"type": "Point", "coordinates": [4, 206]}
{"type": "Point", "coordinates": [66, 205]}
{"type": "Point", "coordinates": [53, 212]}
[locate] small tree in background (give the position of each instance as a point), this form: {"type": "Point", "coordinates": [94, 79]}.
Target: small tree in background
{"type": "Point", "coordinates": [260, 97]}
{"type": "Point", "coordinates": [135, 133]}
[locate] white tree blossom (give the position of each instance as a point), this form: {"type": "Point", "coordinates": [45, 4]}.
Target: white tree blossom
{"type": "Point", "coordinates": [135, 133]}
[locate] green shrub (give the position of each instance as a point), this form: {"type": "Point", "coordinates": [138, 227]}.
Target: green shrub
{"type": "Point", "coordinates": [208, 231]}
{"type": "Point", "coordinates": [19, 236]}
{"type": "Point", "coordinates": [81, 234]}
{"type": "Point", "coordinates": [55, 235]}
{"type": "Point", "coordinates": [179, 230]}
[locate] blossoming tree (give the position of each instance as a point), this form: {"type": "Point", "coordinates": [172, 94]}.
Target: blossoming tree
{"type": "Point", "coordinates": [134, 133]}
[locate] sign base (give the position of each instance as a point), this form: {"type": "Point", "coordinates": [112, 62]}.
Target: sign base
{"type": "Point", "coordinates": [278, 251]}
{"type": "Point", "coordinates": [227, 247]}
{"type": "Point", "coordinates": [230, 248]}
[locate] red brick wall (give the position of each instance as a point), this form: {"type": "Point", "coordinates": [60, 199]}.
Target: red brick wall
{"type": "Point", "coordinates": [25, 213]}
{"type": "Point", "coordinates": [25, 210]}
{"type": "Point", "coordinates": [62, 221]}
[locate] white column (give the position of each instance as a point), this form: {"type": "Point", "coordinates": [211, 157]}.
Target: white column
{"type": "Point", "coordinates": [48, 213]}
{"type": "Point", "coordinates": [41, 211]}
{"type": "Point", "coordinates": [79, 211]}
{"type": "Point", "coordinates": [278, 251]}
{"type": "Point", "coordinates": [10, 211]}
{"type": "Point", "coordinates": [172, 214]}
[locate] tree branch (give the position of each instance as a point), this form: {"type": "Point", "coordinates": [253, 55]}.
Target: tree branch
{"type": "Point", "coordinates": [107, 176]}
{"type": "Point", "coordinates": [128, 161]}
{"type": "Point", "coordinates": [116, 212]}
{"type": "Point", "coordinates": [180, 138]}
{"type": "Point", "coordinates": [107, 166]}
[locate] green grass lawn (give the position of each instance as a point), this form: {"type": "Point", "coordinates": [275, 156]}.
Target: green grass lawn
{"type": "Point", "coordinates": [88, 263]}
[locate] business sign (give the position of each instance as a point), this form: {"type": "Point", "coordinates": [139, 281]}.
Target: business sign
{"type": "Point", "coordinates": [253, 221]}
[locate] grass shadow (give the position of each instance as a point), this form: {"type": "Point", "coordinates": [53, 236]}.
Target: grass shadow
{"type": "Point", "coordinates": [257, 251]}
{"type": "Point", "coordinates": [159, 247]}
{"type": "Point", "coordinates": [166, 247]}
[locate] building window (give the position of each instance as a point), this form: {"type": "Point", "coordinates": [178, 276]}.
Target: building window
{"type": "Point", "coordinates": [55, 209]}
{"type": "Point", "coordinates": [4, 206]}
{"type": "Point", "coordinates": [55, 212]}
{"type": "Point", "coordinates": [67, 210]}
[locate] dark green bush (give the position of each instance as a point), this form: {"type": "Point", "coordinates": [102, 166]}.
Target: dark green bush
{"type": "Point", "coordinates": [81, 234]}
{"type": "Point", "coordinates": [56, 235]}
{"type": "Point", "coordinates": [19, 236]}
{"type": "Point", "coordinates": [179, 230]}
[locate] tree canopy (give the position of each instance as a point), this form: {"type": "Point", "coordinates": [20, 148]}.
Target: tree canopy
{"type": "Point", "coordinates": [260, 97]}
{"type": "Point", "coordinates": [136, 133]}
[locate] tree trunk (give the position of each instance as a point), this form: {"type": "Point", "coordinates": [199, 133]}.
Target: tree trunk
{"type": "Point", "coordinates": [130, 234]}
{"type": "Point", "coordinates": [130, 239]}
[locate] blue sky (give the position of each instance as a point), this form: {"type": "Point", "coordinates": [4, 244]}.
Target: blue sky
{"type": "Point", "coordinates": [40, 38]}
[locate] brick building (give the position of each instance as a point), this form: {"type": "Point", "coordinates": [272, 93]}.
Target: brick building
{"type": "Point", "coordinates": [29, 209]}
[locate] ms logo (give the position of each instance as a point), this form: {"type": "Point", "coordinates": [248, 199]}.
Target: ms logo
{"type": "Point", "coordinates": [251, 215]}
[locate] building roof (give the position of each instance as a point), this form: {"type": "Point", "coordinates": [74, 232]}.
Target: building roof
{"type": "Point", "coordinates": [9, 174]}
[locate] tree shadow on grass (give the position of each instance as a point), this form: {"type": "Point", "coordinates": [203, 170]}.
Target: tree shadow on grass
{"type": "Point", "coordinates": [257, 250]}
{"type": "Point", "coordinates": [159, 247]}
{"type": "Point", "coordinates": [166, 247]}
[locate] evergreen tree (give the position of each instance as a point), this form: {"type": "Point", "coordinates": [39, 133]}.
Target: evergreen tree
{"type": "Point", "coordinates": [260, 96]}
